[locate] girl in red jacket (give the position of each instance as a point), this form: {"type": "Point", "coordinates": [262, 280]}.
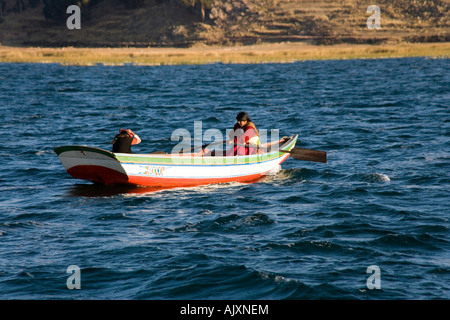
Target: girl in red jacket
{"type": "Point", "coordinates": [245, 136]}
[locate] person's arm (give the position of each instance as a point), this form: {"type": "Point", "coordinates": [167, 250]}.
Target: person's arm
{"type": "Point", "coordinates": [136, 139]}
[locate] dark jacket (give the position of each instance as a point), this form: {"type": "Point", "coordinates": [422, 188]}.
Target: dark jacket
{"type": "Point", "coordinates": [122, 143]}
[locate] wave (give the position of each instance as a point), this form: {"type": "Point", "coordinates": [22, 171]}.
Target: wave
{"type": "Point", "coordinates": [369, 177]}
{"type": "Point", "coordinates": [307, 247]}
{"type": "Point", "coordinates": [226, 282]}
{"type": "Point", "coordinates": [410, 243]}
{"type": "Point", "coordinates": [294, 175]}
{"type": "Point", "coordinates": [376, 177]}
{"type": "Point", "coordinates": [225, 223]}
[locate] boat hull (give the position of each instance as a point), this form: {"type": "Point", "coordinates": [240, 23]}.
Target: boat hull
{"type": "Point", "coordinates": [167, 170]}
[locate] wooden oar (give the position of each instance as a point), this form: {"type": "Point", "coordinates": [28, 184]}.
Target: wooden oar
{"type": "Point", "coordinates": [307, 154]}
{"type": "Point", "coordinates": [296, 152]}
{"type": "Point", "coordinates": [301, 153]}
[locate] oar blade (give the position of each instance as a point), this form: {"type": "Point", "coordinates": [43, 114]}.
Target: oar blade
{"type": "Point", "coordinates": [309, 155]}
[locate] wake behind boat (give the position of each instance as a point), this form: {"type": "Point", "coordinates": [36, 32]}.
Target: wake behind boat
{"type": "Point", "coordinates": [171, 170]}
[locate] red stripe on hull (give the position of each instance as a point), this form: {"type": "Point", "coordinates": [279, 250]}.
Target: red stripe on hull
{"type": "Point", "coordinates": [98, 174]}
{"type": "Point", "coordinates": [180, 182]}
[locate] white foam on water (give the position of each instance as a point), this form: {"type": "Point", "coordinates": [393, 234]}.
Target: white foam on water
{"type": "Point", "coordinates": [381, 177]}
{"type": "Point", "coordinates": [274, 171]}
{"type": "Point", "coordinates": [376, 177]}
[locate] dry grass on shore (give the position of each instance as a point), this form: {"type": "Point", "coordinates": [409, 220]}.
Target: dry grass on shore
{"type": "Point", "coordinates": [264, 53]}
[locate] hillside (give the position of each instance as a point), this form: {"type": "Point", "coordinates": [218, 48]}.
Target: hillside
{"type": "Point", "coordinates": [173, 23]}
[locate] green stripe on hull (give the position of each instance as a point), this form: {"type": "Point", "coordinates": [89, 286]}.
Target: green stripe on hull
{"type": "Point", "coordinates": [187, 160]}
{"type": "Point", "coordinates": [140, 159]}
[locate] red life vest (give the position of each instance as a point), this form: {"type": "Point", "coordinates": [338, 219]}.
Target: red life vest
{"type": "Point", "coordinates": [241, 140]}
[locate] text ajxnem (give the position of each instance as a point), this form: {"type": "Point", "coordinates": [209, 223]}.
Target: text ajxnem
{"type": "Point", "coordinates": [230, 310]}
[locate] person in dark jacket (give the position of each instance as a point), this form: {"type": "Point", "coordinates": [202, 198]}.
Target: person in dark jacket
{"type": "Point", "coordinates": [123, 141]}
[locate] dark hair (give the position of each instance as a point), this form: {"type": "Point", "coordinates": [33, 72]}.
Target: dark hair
{"type": "Point", "coordinates": [243, 116]}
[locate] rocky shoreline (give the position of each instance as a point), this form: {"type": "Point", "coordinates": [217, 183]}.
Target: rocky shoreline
{"type": "Point", "coordinates": [172, 23]}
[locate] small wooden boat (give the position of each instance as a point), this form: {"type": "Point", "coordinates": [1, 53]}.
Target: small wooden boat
{"type": "Point", "coordinates": [170, 170]}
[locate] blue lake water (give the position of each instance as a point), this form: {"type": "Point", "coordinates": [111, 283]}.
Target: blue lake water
{"type": "Point", "coordinates": [310, 231]}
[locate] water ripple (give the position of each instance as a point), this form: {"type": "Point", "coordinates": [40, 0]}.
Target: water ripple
{"type": "Point", "coordinates": [307, 231]}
